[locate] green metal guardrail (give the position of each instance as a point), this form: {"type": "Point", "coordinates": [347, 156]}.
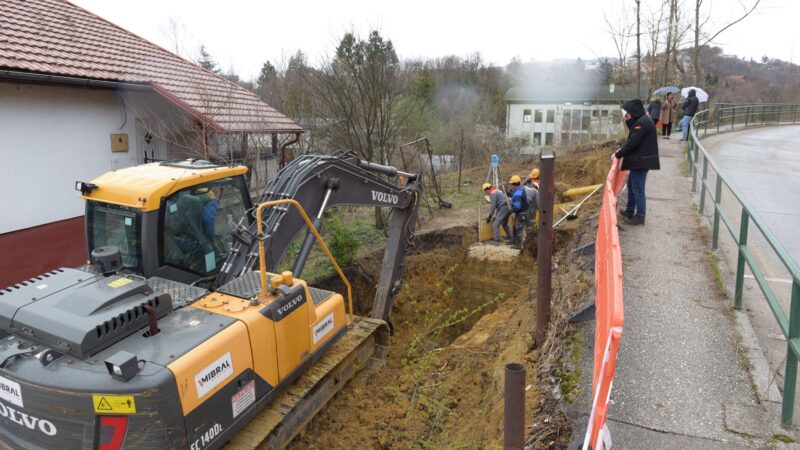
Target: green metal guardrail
{"type": "Point", "coordinates": [730, 117]}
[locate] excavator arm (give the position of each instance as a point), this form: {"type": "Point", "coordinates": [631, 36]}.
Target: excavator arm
{"type": "Point", "coordinates": [319, 183]}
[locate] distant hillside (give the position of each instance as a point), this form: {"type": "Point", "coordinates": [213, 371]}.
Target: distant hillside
{"type": "Point", "coordinates": [731, 79]}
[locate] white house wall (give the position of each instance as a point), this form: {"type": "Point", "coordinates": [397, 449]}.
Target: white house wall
{"type": "Point", "coordinates": [51, 136]}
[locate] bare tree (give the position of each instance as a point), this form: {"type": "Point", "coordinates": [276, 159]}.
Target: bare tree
{"type": "Point", "coordinates": [708, 38]}
{"type": "Point", "coordinates": [621, 30]}
{"type": "Point", "coordinates": [361, 90]}
{"type": "Point", "coordinates": [638, 48]}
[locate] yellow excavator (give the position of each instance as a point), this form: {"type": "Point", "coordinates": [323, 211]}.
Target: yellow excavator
{"type": "Point", "coordinates": [179, 333]}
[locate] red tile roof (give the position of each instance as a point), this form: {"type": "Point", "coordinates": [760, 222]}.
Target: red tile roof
{"type": "Point", "coordinates": [58, 38]}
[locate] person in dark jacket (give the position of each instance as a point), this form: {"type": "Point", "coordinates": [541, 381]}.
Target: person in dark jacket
{"type": "Point", "coordinates": [689, 110]}
{"type": "Point", "coordinates": [639, 155]}
{"type": "Point", "coordinates": [654, 109]}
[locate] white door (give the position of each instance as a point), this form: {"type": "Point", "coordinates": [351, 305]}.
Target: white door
{"type": "Point", "coordinates": [149, 145]}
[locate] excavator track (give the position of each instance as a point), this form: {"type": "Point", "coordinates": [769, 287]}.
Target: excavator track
{"type": "Point", "coordinates": [277, 425]}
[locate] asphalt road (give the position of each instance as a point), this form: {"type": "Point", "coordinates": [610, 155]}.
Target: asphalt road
{"type": "Point", "coordinates": [764, 166]}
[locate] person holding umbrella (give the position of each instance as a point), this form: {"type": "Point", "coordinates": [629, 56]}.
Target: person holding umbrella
{"type": "Point", "coordinates": [689, 110]}
{"type": "Point", "coordinates": [666, 115]}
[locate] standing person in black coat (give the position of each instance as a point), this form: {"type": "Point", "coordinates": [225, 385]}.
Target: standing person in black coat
{"type": "Point", "coordinates": [639, 155]}
{"type": "Point", "coordinates": [689, 110]}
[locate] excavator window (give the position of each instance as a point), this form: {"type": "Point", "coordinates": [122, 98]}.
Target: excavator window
{"type": "Point", "coordinates": [198, 222]}
{"type": "Point", "coordinates": [116, 225]}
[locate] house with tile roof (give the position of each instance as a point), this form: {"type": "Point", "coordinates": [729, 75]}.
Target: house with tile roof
{"type": "Point", "coordinates": [80, 96]}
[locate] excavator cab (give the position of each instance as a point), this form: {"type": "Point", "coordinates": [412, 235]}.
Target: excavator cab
{"type": "Point", "coordinates": [179, 222]}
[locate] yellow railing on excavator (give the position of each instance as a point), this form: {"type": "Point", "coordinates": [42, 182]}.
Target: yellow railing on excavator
{"type": "Point", "coordinates": [262, 250]}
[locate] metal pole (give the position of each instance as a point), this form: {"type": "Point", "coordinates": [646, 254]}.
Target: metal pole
{"type": "Point", "coordinates": [693, 146]}
{"type": "Point", "coordinates": [703, 186]}
{"type": "Point", "coordinates": [790, 380]}
{"type": "Point", "coordinates": [737, 299]}
{"type": "Point", "coordinates": [717, 206]}
{"type": "Point", "coordinates": [461, 160]}
{"type": "Point", "coordinates": [747, 117]}
{"type": "Point", "coordinates": [514, 408]}
{"type": "Point", "coordinates": [547, 187]}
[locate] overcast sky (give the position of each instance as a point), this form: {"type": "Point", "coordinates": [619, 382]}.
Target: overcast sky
{"type": "Point", "coordinates": [242, 34]}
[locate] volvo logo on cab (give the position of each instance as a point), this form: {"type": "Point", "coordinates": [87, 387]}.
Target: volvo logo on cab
{"type": "Point", "coordinates": [385, 197]}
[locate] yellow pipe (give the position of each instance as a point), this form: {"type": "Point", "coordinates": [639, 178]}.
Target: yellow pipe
{"type": "Point", "coordinates": [262, 251]}
{"type": "Point", "coordinates": [581, 190]}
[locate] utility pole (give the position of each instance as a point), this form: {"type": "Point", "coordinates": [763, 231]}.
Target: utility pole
{"type": "Point", "coordinates": [544, 245]}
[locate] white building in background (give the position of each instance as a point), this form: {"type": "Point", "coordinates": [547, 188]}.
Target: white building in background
{"type": "Point", "coordinates": [559, 116]}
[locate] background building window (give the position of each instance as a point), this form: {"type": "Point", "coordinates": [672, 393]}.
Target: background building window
{"type": "Point", "coordinates": [551, 116]}
{"type": "Point", "coordinates": [576, 120]}
{"type": "Point", "coordinates": [604, 113]}
{"type": "Point", "coordinates": [548, 137]}
{"type": "Point", "coordinates": [586, 120]}
{"type": "Point", "coordinates": [537, 138]}
{"type": "Point", "coordinates": [565, 125]}
{"type": "Point", "coordinates": [526, 116]}
{"type": "Point", "coordinates": [538, 116]}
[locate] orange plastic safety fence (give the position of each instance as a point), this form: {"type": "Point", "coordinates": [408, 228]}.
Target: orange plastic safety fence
{"type": "Point", "coordinates": [608, 305]}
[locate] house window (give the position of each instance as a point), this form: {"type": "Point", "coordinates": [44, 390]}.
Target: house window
{"type": "Point", "coordinates": [548, 137]}
{"type": "Point", "coordinates": [537, 138]}
{"type": "Point", "coordinates": [595, 113]}
{"type": "Point", "coordinates": [538, 116]}
{"type": "Point", "coordinates": [586, 120]}
{"type": "Point", "coordinates": [526, 116]}
{"type": "Point", "coordinates": [551, 116]}
{"type": "Point", "coordinates": [565, 120]}
{"type": "Point", "coordinates": [604, 113]}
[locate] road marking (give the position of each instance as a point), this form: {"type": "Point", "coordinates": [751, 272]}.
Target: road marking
{"type": "Point", "coordinates": [771, 280]}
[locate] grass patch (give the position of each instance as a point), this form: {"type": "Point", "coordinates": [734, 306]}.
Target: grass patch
{"type": "Point", "coordinates": [719, 282]}
{"type": "Point", "coordinates": [783, 438]}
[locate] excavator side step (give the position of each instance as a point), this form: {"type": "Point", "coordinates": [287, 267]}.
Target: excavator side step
{"type": "Point", "coordinates": [293, 409]}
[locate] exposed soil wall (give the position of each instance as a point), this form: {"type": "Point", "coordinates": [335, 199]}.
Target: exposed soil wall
{"type": "Point", "coordinates": [457, 321]}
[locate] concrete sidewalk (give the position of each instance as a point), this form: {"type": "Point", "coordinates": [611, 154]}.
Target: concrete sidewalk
{"type": "Point", "coordinates": [682, 378]}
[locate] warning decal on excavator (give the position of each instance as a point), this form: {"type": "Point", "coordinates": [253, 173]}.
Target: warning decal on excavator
{"type": "Point", "coordinates": [113, 404]}
{"type": "Point", "coordinates": [119, 282]}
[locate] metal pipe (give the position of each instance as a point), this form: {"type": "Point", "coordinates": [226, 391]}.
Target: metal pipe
{"type": "Point", "coordinates": [262, 250]}
{"type": "Point", "coordinates": [75, 81]}
{"type": "Point", "coordinates": [514, 407]}
{"type": "Point", "coordinates": [544, 244]}
{"type": "Point", "coordinates": [308, 242]}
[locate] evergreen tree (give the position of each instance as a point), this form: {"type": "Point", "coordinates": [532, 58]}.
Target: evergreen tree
{"type": "Point", "coordinates": [206, 61]}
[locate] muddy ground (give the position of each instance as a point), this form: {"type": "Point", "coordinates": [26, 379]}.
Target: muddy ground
{"type": "Point", "coordinates": [457, 321]}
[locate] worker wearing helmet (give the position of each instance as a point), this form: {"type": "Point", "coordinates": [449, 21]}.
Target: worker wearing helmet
{"type": "Point", "coordinates": [498, 212]}
{"type": "Point", "coordinates": [521, 209]}
{"type": "Point", "coordinates": [533, 179]}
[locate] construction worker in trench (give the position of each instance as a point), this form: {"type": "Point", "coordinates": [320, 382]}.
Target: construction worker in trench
{"type": "Point", "coordinates": [521, 209]}
{"type": "Point", "coordinates": [498, 212]}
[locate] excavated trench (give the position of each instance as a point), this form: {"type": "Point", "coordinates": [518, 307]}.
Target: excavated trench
{"type": "Point", "coordinates": [457, 320]}
{"type": "Point", "coordinates": [435, 381]}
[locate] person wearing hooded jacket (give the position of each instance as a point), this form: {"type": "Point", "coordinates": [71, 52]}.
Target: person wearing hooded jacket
{"type": "Point", "coordinates": [689, 110]}
{"type": "Point", "coordinates": [498, 213]}
{"type": "Point", "coordinates": [639, 155]}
